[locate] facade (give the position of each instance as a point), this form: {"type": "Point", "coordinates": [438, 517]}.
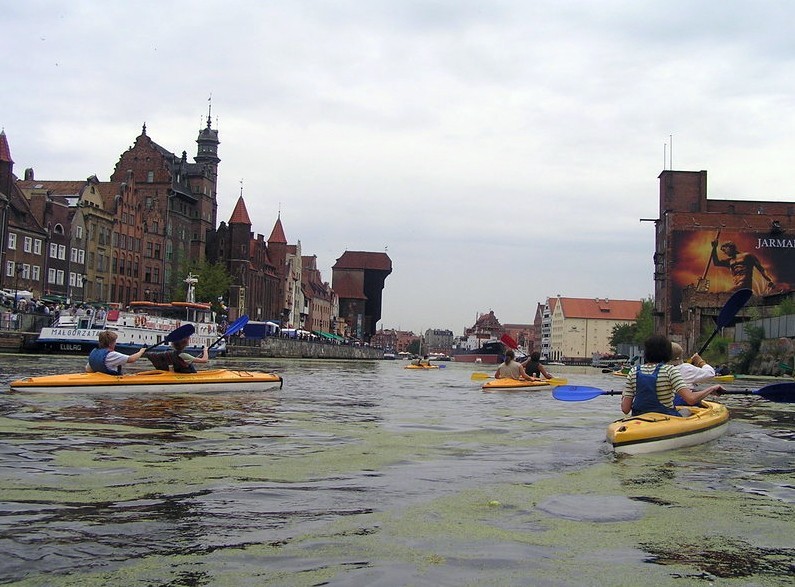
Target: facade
{"type": "Point", "coordinates": [705, 249]}
{"type": "Point", "coordinates": [486, 328]}
{"type": "Point", "coordinates": [523, 334]}
{"type": "Point", "coordinates": [438, 340]}
{"type": "Point", "coordinates": [358, 277]}
{"type": "Point", "coordinates": [581, 327]}
{"type": "Point", "coordinates": [321, 301]}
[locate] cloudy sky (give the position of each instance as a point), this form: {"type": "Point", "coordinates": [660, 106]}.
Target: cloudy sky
{"type": "Point", "coordinates": [500, 151]}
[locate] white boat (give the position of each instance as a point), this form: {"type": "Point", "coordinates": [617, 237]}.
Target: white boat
{"type": "Point", "coordinates": [142, 324]}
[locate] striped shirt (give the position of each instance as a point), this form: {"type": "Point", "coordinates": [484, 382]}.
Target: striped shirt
{"type": "Point", "coordinates": [669, 381]}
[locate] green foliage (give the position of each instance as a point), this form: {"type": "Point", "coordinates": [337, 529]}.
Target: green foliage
{"type": "Point", "coordinates": [785, 308]}
{"type": "Point", "coordinates": [214, 283]}
{"type": "Point", "coordinates": [645, 321]}
{"type": "Point", "coordinates": [414, 347]}
{"type": "Point", "coordinates": [755, 335]}
{"type": "Point", "coordinates": [638, 332]}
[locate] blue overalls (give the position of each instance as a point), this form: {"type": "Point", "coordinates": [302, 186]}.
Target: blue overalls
{"type": "Point", "coordinates": [646, 399]}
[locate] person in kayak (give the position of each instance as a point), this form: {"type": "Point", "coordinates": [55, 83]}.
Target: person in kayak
{"type": "Point", "coordinates": [695, 370]}
{"type": "Point", "coordinates": [106, 359]}
{"type": "Point", "coordinates": [510, 369]}
{"type": "Point", "coordinates": [534, 368]}
{"type": "Point", "coordinates": [178, 358]}
{"type": "Point", "coordinates": [651, 386]}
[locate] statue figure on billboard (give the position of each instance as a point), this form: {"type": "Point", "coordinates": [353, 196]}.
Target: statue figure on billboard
{"type": "Point", "coordinates": [740, 264]}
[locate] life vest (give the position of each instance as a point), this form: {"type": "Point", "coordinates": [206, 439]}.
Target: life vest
{"type": "Point", "coordinates": [96, 360]}
{"type": "Point", "coordinates": [533, 368]}
{"type": "Point", "coordinates": [167, 359]}
{"type": "Point", "coordinates": [646, 399]}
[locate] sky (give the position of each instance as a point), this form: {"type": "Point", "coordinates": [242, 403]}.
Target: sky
{"type": "Point", "coordinates": [500, 152]}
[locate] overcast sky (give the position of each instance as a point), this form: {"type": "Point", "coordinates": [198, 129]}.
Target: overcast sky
{"type": "Point", "coordinates": [500, 151]}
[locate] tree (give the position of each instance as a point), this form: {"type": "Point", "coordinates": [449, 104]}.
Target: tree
{"type": "Point", "coordinates": [214, 283]}
{"type": "Point", "coordinates": [639, 331]}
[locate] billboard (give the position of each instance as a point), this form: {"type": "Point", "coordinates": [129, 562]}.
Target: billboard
{"type": "Point", "coordinates": [718, 261]}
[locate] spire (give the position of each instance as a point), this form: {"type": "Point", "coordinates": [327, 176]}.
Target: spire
{"type": "Point", "coordinates": [240, 214]}
{"type": "Point", "coordinates": [277, 234]}
{"type": "Point", "coordinates": [143, 130]}
{"type": "Point", "coordinates": [5, 150]}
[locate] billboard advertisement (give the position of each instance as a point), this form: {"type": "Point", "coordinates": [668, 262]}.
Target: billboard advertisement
{"type": "Point", "coordinates": [718, 261]}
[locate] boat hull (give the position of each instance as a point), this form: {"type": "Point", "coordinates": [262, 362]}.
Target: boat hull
{"type": "Point", "coordinates": [655, 432]}
{"type": "Point", "coordinates": [513, 384]}
{"type": "Point", "coordinates": [421, 367]}
{"type": "Point", "coordinates": [210, 381]}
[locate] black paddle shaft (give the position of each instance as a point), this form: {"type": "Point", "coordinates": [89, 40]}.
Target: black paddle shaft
{"type": "Point", "coordinates": [727, 313]}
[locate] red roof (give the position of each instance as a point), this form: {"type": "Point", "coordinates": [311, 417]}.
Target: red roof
{"type": "Point", "coordinates": [240, 214]}
{"type": "Point", "coordinates": [364, 260]}
{"type": "Point", "coordinates": [277, 234]}
{"type": "Point", "coordinates": [600, 308]}
{"type": "Point", "coordinates": [5, 150]}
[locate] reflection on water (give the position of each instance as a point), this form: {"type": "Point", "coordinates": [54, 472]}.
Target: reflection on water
{"type": "Point", "coordinates": [363, 473]}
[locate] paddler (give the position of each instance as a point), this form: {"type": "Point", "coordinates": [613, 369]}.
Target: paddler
{"type": "Point", "coordinates": [695, 370]}
{"type": "Point", "coordinates": [177, 358]}
{"type": "Point", "coordinates": [510, 369]}
{"type": "Point", "coordinates": [651, 387]}
{"type": "Point", "coordinates": [106, 359]}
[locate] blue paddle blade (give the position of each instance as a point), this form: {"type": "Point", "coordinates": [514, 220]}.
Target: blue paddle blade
{"type": "Point", "coordinates": [778, 392]}
{"type": "Point", "coordinates": [236, 326]}
{"type": "Point", "coordinates": [732, 306]}
{"type": "Point", "coordinates": [576, 393]}
{"type": "Point", "coordinates": [184, 331]}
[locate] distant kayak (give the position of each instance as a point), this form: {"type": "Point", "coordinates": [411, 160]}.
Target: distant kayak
{"type": "Point", "coordinates": [421, 367]}
{"type": "Point", "coordinates": [655, 432]}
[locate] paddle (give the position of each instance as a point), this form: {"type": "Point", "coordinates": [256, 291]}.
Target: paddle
{"type": "Point", "coordinates": [233, 328]}
{"type": "Point", "coordinates": [508, 341]}
{"type": "Point", "coordinates": [184, 331]}
{"type": "Point", "coordinates": [727, 313]}
{"type": "Point", "coordinates": [777, 392]}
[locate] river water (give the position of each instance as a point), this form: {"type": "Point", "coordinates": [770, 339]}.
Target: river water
{"type": "Point", "coordinates": [365, 473]}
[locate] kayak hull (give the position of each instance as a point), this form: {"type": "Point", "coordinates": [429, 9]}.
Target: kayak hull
{"type": "Point", "coordinates": [210, 381]}
{"type": "Point", "coordinates": [513, 384]}
{"type": "Point", "coordinates": [420, 367]}
{"type": "Point", "coordinates": [655, 432]}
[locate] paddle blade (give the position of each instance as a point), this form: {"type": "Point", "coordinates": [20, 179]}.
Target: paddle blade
{"type": "Point", "coordinates": [732, 306]}
{"type": "Point", "coordinates": [557, 381]}
{"type": "Point", "coordinates": [480, 376]}
{"type": "Point", "coordinates": [508, 341]}
{"type": "Point", "coordinates": [184, 331]}
{"type": "Point", "coordinates": [236, 326]}
{"type": "Point", "coordinates": [778, 392]}
{"type": "Point", "coordinates": [577, 393]}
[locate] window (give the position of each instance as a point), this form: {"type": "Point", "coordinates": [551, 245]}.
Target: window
{"type": "Point", "coordinates": [81, 256]}
{"type": "Point", "coordinates": [12, 241]}
{"type": "Point", "coordinates": [59, 275]}
{"type": "Point", "coordinates": [72, 279]}
{"type": "Point", "coordinates": [27, 245]}
{"type": "Point", "coordinates": [73, 255]}
{"type": "Point", "coordinates": [62, 252]}
{"type": "Point", "coordinates": [149, 249]}
{"type": "Point", "coordinates": [9, 269]}
{"type": "Point", "coordinates": [37, 247]}
{"type": "Point", "coordinates": [25, 271]}
{"type": "Point", "coordinates": [35, 274]}
{"type": "Point", "coordinates": [54, 250]}
{"type": "Point", "coordinates": [51, 276]}
{"type": "Point", "coordinates": [79, 232]}
{"type": "Point", "coordinates": [150, 177]}
{"type": "Point", "coordinates": [157, 250]}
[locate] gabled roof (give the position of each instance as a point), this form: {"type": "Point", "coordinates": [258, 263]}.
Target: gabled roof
{"type": "Point", "coordinates": [364, 260]}
{"type": "Point", "coordinates": [240, 214]}
{"type": "Point", "coordinates": [54, 188]}
{"type": "Point", "coordinates": [600, 309]}
{"type": "Point", "coordinates": [277, 234]}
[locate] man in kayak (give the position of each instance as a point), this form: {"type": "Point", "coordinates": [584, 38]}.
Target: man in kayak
{"type": "Point", "coordinates": [177, 357]}
{"type": "Point", "coordinates": [105, 358]}
{"type": "Point", "coordinates": [694, 370]}
{"type": "Point", "coordinates": [534, 368]}
{"type": "Point", "coordinates": [651, 387]}
{"type": "Point", "coordinates": [510, 369]}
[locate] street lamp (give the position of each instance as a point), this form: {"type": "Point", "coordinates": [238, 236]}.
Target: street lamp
{"type": "Point", "coordinates": [18, 270]}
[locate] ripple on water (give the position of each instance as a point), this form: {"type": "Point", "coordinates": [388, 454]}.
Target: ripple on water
{"type": "Point", "coordinates": [592, 508]}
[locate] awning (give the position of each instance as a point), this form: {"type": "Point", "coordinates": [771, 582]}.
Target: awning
{"type": "Point", "coordinates": [327, 335]}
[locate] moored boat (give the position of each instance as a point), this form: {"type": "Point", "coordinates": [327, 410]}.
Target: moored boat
{"type": "Point", "coordinates": [653, 432]}
{"type": "Point", "coordinates": [155, 381]}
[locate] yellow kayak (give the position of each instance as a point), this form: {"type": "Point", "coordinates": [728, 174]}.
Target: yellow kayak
{"type": "Point", "coordinates": [506, 383]}
{"type": "Point", "coordinates": [655, 432]}
{"type": "Point", "coordinates": [421, 367]}
{"type": "Point", "coordinates": [212, 380]}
